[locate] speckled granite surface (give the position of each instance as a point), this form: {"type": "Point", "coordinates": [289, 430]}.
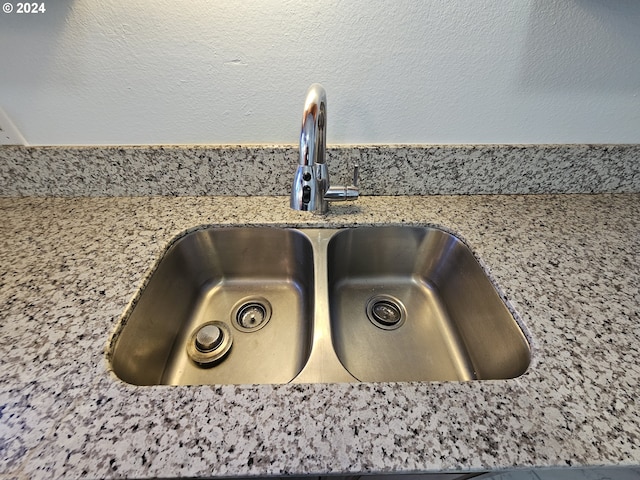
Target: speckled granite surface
{"type": "Point", "coordinates": [569, 265]}
{"type": "Point", "coordinates": [268, 170]}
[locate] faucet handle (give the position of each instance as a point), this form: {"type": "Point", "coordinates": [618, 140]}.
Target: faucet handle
{"type": "Point", "coordinates": [356, 174]}
{"type": "Point", "coordinates": [344, 193]}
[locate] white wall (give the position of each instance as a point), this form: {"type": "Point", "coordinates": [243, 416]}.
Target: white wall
{"type": "Point", "coordinates": [399, 71]}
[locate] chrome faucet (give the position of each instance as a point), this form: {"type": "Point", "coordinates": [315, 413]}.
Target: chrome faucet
{"type": "Point", "coordinates": [311, 190]}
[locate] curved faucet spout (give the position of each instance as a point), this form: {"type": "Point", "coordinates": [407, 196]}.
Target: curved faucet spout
{"type": "Point", "coordinates": [313, 136]}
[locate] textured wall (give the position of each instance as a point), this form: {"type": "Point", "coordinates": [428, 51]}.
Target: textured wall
{"type": "Point", "coordinates": [487, 71]}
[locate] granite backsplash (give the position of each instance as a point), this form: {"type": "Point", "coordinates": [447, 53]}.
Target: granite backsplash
{"type": "Point", "coordinates": [268, 170]}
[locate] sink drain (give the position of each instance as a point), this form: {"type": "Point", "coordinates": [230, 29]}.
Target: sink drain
{"type": "Point", "coordinates": [251, 314]}
{"type": "Point", "coordinates": [209, 343]}
{"type": "Point", "coordinates": [386, 312]}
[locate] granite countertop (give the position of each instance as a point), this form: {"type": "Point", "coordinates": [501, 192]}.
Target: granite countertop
{"type": "Point", "coordinates": [568, 264]}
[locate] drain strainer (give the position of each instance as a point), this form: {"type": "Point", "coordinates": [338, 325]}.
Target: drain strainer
{"type": "Point", "coordinates": [209, 343]}
{"type": "Point", "coordinates": [251, 314]}
{"type": "Point", "coordinates": [386, 312]}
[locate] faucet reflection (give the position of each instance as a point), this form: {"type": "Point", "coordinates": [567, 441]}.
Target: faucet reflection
{"type": "Point", "coordinates": [311, 190]}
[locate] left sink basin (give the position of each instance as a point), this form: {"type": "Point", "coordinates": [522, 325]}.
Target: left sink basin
{"type": "Point", "coordinates": [224, 305]}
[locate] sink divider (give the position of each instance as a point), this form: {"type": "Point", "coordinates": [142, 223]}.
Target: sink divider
{"type": "Point", "coordinates": [323, 365]}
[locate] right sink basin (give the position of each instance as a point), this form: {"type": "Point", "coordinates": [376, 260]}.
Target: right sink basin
{"type": "Point", "coordinates": [413, 304]}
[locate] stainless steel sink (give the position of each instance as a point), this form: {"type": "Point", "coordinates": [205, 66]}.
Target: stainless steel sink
{"type": "Point", "coordinates": [267, 305]}
{"type": "Point", "coordinates": [257, 282]}
{"type": "Point", "coordinates": [413, 304]}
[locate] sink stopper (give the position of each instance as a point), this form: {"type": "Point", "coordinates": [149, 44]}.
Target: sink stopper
{"type": "Point", "coordinates": [209, 343]}
{"type": "Point", "coordinates": [208, 338]}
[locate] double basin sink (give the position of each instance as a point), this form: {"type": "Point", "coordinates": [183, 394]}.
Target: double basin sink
{"type": "Point", "coordinates": [247, 305]}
